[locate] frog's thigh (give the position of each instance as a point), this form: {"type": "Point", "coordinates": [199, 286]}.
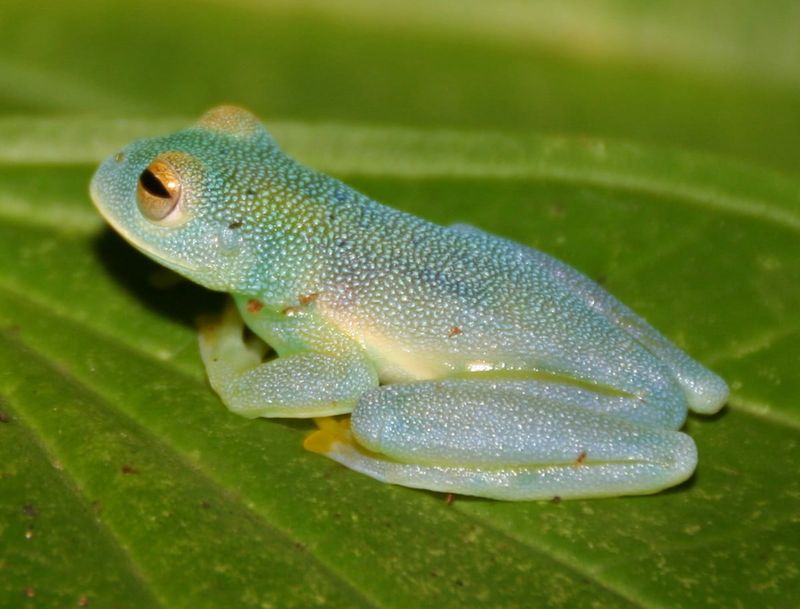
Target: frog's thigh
{"type": "Point", "coordinates": [478, 438]}
{"type": "Point", "coordinates": [705, 391]}
{"type": "Point", "coordinates": [306, 384]}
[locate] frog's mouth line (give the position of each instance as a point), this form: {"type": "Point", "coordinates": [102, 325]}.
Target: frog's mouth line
{"type": "Point", "coordinates": [181, 268]}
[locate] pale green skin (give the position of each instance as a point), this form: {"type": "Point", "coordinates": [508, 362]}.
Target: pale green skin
{"type": "Point", "coordinates": [470, 364]}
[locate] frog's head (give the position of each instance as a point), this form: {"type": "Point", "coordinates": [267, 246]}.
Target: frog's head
{"type": "Point", "coordinates": [184, 199]}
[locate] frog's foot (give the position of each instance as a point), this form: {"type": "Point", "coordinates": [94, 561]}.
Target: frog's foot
{"type": "Point", "coordinates": [477, 437]}
{"type": "Point", "coordinates": [223, 337]}
{"type": "Point", "coordinates": [330, 431]}
{"type": "Point", "coordinates": [305, 384]}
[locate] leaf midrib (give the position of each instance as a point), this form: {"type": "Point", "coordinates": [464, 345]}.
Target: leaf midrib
{"type": "Point", "coordinates": [353, 150]}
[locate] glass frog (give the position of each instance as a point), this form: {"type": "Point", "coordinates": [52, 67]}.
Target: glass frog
{"type": "Point", "coordinates": [468, 363]}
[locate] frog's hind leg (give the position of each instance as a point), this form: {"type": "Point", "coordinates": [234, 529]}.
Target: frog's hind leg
{"type": "Point", "coordinates": [705, 391]}
{"type": "Point", "coordinates": [478, 437]}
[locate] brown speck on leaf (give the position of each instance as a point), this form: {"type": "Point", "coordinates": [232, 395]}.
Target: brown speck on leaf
{"type": "Point", "coordinates": [454, 331]}
{"type": "Point", "coordinates": [254, 306]}
{"type": "Point", "coordinates": [205, 504]}
{"type": "Point", "coordinates": [83, 601]}
{"type": "Point", "coordinates": [30, 510]}
{"type": "Point", "coordinates": [119, 157]}
{"type": "Point", "coordinates": [290, 311]}
{"type": "Point", "coordinates": [581, 458]}
{"type": "Point", "coordinates": [30, 592]}
{"type": "Point", "coordinates": [4, 418]}
{"type": "Point", "coordinates": [235, 225]}
{"type": "Point", "coordinates": [449, 499]}
{"type": "Point", "coordinates": [129, 469]}
{"type": "Point", "coordinates": [555, 499]}
{"type": "Point", "coordinates": [306, 299]}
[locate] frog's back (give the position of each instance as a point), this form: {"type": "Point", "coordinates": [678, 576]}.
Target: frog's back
{"type": "Point", "coordinates": [428, 300]}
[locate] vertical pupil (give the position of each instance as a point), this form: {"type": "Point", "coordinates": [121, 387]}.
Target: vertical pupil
{"type": "Point", "coordinates": [153, 185]}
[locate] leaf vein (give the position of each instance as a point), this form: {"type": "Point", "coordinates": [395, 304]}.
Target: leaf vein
{"type": "Point", "coordinates": [197, 468]}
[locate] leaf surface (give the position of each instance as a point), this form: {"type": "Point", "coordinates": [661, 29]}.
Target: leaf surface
{"type": "Point", "coordinates": [116, 454]}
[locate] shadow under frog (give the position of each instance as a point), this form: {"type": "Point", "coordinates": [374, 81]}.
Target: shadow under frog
{"type": "Point", "coordinates": [160, 289]}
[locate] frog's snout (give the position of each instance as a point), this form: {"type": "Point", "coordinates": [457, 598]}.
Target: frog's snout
{"type": "Point", "coordinates": [102, 183]}
{"type": "Point", "coordinates": [95, 189]}
{"type": "Point", "coordinates": [105, 189]}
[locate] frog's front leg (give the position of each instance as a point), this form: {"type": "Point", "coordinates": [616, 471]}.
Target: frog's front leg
{"type": "Point", "coordinates": [514, 440]}
{"type": "Point", "coordinates": [303, 384]}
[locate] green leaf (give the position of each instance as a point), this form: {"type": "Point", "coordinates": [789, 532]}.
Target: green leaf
{"type": "Point", "coordinates": [124, 482]}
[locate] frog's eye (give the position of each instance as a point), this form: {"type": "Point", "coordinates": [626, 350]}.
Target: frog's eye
{"type": "Point", "coordinates": [158, 191]}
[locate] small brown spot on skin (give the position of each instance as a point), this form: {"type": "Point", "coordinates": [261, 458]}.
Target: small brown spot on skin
{"type": "Point", "coordinates": [290, 311]}
{"type": "Point", "coordinates": [129, 469]}
{"type": "Point", "coordinates": [309, 298]}
{"type": "Point", "coordinates": [449, 499]}
{"type": "Point", "coordinates": [83, 601]}
{"type": "Point", "coordinates": [235, 225]}
{"type": "Point", "coordinates": [30, 592]}
{"type": "Point", "coordinates": [454, 331]}
{"type": "Point", "coordinates": [30, 510]}
{"type": "Point", "coordinates": [556, 499]}
{"type": "Point", "coordinates": [119, 157]}
{"type": "Point", "coordinates": [254, 306]}
{"type": "Point", "coordinates": [581, 458]}
{"type": "Point", "coordinates": [4, 418]}
{"type": "Point", "coordinates": [205, 504]}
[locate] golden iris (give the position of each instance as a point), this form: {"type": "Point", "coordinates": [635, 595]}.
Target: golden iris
{"type": "Point", "coordinates": [158, 191]}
